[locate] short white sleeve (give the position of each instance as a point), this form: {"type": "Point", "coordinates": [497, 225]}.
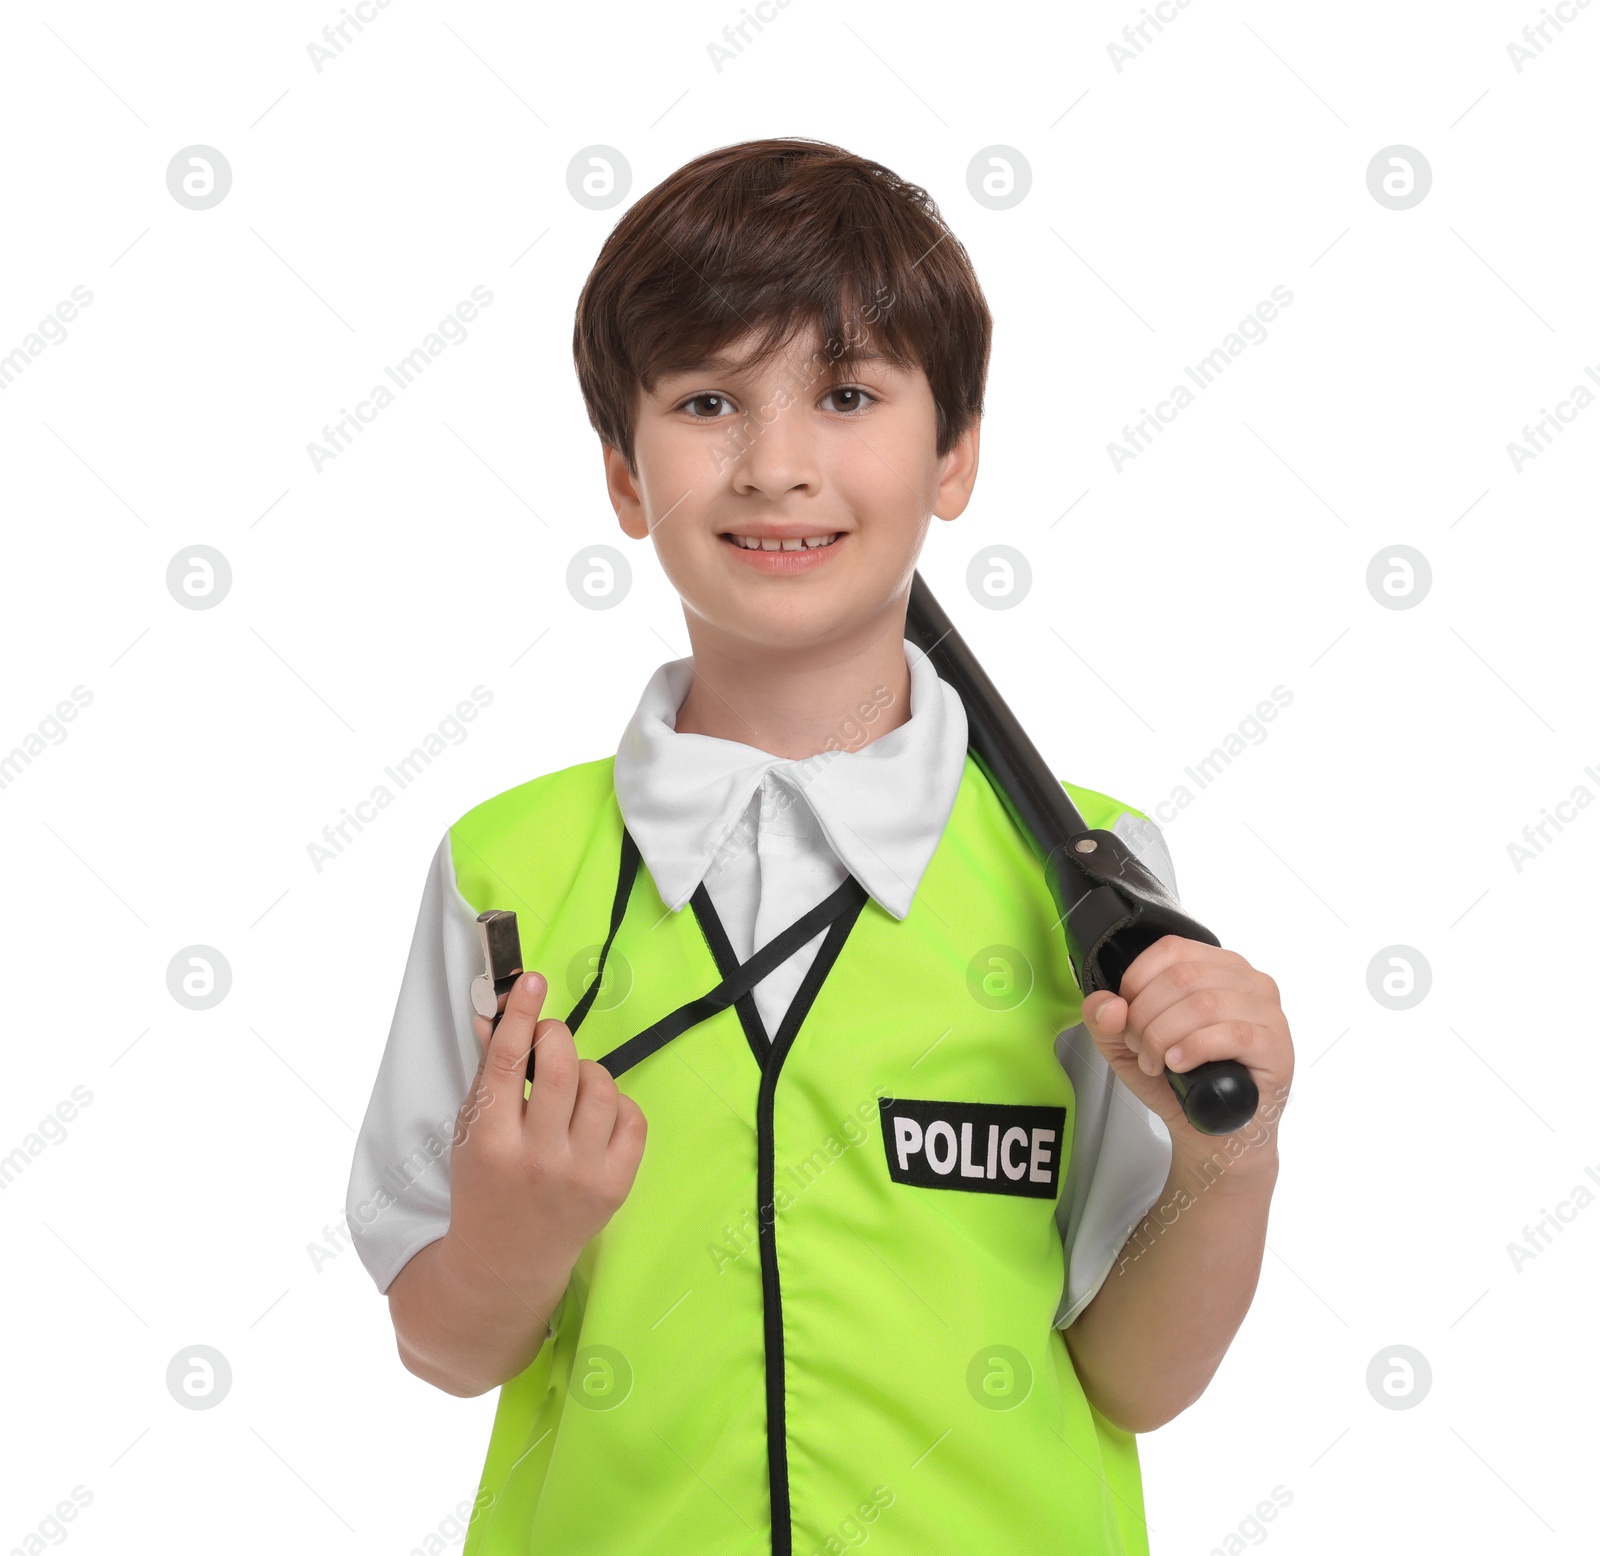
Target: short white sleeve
{"type": "Point", "coordinates": [398, 1200]}
{"type": "Point", "coordinates": [1121, 1151]}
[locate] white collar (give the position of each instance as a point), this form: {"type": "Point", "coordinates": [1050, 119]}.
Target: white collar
{"type": "Point", "coordinates": [882, 807]}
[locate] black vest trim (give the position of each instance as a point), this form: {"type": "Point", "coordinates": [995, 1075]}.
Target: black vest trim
{"type": "Point", "coordinates": [845, 899]}
{"type": "Point", "coordinates": [717, 942]}
{"type": "Point", "coordinates": [627, 870]}
{"type": "Point", "coordinates": [766, 1216]}
{"type": "Point", "coordinates": [837, 913]}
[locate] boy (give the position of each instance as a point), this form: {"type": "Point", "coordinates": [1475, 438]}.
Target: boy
{"type": "Point", "coordinates": [858, 1286]}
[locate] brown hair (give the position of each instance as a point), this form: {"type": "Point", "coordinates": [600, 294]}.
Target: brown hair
{"type": "Point", "coordinates": [771, 235]}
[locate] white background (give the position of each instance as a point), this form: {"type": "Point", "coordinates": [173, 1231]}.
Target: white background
{"type": "Point", "coordinates": [1168, 199]}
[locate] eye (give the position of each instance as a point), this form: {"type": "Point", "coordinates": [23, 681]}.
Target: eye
{"type": "Point", "coordinates": [718, 402]}
{"type": "Point", "coordinates": [853, 400]}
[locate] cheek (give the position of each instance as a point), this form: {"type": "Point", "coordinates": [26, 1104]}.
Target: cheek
{"type": "Point", "coordinates": [671, 467]}
{"type": "Point", "coordinates": [888, 468]}
{"type": "Point", "coordinates": [683, 544]}
{"type": "Point", "coordinates": [678, 496]}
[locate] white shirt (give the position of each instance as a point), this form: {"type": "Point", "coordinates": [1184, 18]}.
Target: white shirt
{"type": "Point", "coordinates": [770, 837]}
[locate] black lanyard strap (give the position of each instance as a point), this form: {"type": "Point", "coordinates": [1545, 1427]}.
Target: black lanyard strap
{"type": "Point", "coordinates": [849, 895]}
{"type": "Point", "coordinates": [847, 898]}
{"type": "Point", "coordinates": [619, 905]}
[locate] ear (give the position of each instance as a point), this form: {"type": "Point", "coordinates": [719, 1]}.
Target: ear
{"type": "Point", "coordinates": [960, 474]}
{"type": "Point", "coordinates": [623, 493]}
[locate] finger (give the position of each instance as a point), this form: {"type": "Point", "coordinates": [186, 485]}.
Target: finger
{"type": "Point", "coordinates": [555, 1081]}
{"type": "Point", "coordinates": [505, 1056]}
{"type": "Point", "coordinates": [626, 1147]}
{"type": "Point", "coordinates": [1121, 1051]}
{"type": "Point", "coordinates": [594, 1111]}
{"type": "Point", "coordinates": [1213, 984]}
{"type": "Point", "coordinates": [630, 1128]}
{"type": "Point", "coordinates": [1241, 1040]}
{"type": "Point", "coordinates": [1203, 1011]}
{"type": "Point", "coordinates": [1161, 954]}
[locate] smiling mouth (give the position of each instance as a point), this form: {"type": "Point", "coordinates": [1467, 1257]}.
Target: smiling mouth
{"type": "Point", "coordinates": [806, 543]}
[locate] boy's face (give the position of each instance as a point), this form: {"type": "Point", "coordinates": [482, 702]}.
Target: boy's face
{"type": "Point", "coordinates": [787, 450]}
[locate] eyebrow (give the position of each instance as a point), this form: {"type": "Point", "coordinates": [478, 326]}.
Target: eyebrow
{"type": "Point", "coordinates": [723, 364]}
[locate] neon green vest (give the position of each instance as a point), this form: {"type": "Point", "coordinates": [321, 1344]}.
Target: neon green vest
{"type": "Point", "coordinates": [874, 1358]}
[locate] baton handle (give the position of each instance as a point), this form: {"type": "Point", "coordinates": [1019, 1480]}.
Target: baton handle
{"type": "Point", "coordinates": [1109, 905]}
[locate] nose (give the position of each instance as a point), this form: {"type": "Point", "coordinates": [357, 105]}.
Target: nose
{"type": "Point", "coordinates": [775, 453]}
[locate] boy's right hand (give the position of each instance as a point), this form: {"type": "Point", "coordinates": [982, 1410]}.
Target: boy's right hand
{"type": "Point", "coordinates": [532, 1181]}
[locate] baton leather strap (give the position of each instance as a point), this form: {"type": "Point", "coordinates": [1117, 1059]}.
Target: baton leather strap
{"type": "Point", "coordinates": [1102, 888]}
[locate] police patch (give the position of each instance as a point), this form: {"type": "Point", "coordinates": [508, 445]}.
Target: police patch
{"type": "Point", "coordinates": [983, 1147]}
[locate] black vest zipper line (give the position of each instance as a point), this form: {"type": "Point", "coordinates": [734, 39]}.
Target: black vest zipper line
{"type": "Point", "coordinates": [771, 1294]}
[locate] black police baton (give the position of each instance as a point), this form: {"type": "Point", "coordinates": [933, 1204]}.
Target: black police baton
{"type": "Point", "coordinates": [1110, 906]}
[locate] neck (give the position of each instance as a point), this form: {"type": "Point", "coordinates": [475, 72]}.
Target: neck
{"type": "Point", "coordinates": [797, 705]}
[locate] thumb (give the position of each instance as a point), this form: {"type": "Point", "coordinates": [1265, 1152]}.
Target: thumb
{"type": "Point", "coordinates": [1106, 1016]}
{"type": "Point", "coordinates": [1106, 1012]}
{"type": "Point", "coordinates": [483, 1029]}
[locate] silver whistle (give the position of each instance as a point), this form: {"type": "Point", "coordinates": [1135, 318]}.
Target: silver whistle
{"type": "Point", "coordinates": [502, 961]}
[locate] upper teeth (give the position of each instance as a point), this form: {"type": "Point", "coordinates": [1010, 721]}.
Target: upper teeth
{"type": "Point", "coordinates": [754, 543]}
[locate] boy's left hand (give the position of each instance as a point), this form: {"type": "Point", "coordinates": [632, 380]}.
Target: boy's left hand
{"type": "Point", "coordinates": [1184, 1002]}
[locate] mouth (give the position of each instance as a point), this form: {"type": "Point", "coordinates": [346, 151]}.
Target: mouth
{"type": "Point", "coordinates": [784, 558]}
{"type": "Point", "coordinates": [759, 543]}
